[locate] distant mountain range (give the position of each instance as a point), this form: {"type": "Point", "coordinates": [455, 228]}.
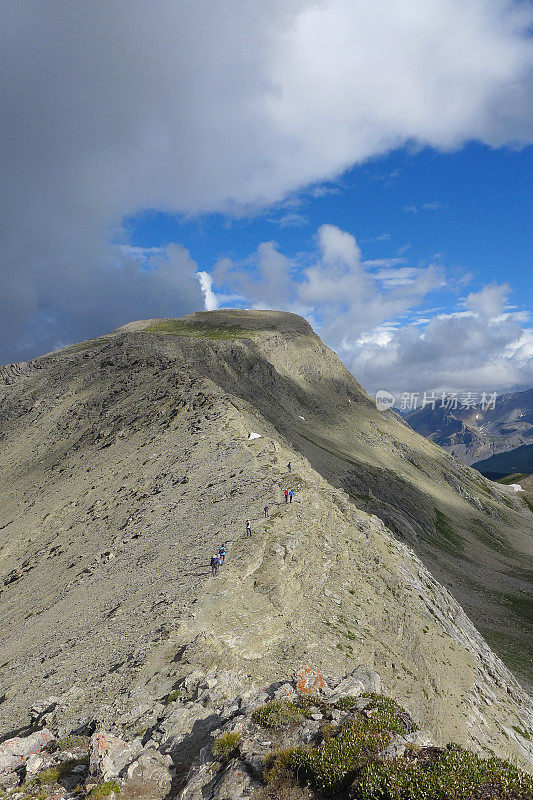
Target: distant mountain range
{"type": "Point", "coordinates": [474, 434]}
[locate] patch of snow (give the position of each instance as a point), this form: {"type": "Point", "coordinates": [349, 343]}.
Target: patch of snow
{"type": "Point", "coordinates": [254, 436]}
{"type": "Point", "coordinates": [516, 487]}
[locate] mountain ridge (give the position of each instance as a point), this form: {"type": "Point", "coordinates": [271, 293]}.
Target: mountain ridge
{"type": "Point", "coordinates": [127, 459]}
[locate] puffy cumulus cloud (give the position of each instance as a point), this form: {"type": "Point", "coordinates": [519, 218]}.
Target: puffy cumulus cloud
{"type": "Point", "coordinates": [450, 353]}
{"type": "Point", "coordinates": [478, 350]}
{"type": "Point", "coordinates": [490, 301]}
{"type": "Point", "coordinates": [338, 248]}
{"type": "Point", "coordinates": [193, 106]}
{"type": "Point", "coordinates": [264, 279]}
{"type": "Point", "coordinates": [332, 286]}
{"type": "Point", "coordinates": [360, 309]}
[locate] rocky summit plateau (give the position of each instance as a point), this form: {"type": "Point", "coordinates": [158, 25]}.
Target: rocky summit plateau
{"type": "Point", "coordinates": [388, 600]}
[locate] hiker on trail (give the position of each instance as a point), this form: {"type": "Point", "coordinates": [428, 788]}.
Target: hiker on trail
{"type": "Point", "coordinates": [291, 495]}
{"type": "Point", "coordinates": [289, 466]}
{"type": "Point", "coordinates": [286, 495]}
{"type": "Point", "coordinates": [222, 553]}
{"type": "Point", "coordinates": [266, 511]}
{"type": "Point", "coordinates": [215, 563]}
{"type": "Point", "coordinates": [248, 528]}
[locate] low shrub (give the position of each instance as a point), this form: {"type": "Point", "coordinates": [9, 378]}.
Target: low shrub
{"type": "Point", "coordinates": [54, 774]}
{"type": "Point", "coordinates": [171, 697]}
{"type": "Point", "coordinates": [388, 713]}
{"type": "Point", "coordinates": [226, 745]}
{"type": "Point", "coordinates": [331, 766]}
{"type": "Point", "coordinates": [279, 714]}
{"type": "Point", "coordinates": [307, 705]}
{"type": "Point", "coordinates": [277, 764]}
{"type": "Point", "coordinates": [385, 712]}
{"type": "Point", "coordinates": [103, 790]}
{"type": "Point", "coordinates": [345, 703]}
{"type": "Point", "coordinates": [282, 785]}
{"type": "Point", "coordinates": [454, 774]}
{"type": "Point", "coordinates": [50, 775]}
{"type": "Point", "coordinates": [68, 743]}
{"type": "Point", "coordinates": [328, 730]}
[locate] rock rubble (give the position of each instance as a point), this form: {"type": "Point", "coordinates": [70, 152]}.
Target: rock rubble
{"type": "Point", "coordinates": [204, 745]}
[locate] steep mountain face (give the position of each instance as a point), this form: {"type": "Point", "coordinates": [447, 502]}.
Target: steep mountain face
{"type": "Point", "coordinates": [127, 460]}
{"type": "Point", "coordinates": [474, 434]}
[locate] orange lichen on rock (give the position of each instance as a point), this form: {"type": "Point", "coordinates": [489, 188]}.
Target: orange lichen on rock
{"type": "Point", "coordinates": [309, 680]}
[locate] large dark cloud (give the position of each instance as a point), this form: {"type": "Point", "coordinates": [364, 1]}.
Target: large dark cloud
{"type": "Point", "coordinates": [191, 106]}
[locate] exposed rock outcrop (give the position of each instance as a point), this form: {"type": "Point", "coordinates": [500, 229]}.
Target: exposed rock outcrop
{"type": "Point", "coordinates": [302, 738]}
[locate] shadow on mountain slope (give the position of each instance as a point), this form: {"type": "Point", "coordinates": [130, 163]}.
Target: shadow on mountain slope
{"type": "Point", "coordinates": [471, 534]}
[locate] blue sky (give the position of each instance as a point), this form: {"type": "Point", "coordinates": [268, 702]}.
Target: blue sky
{"type": "Point", "coordinates": [363, 166]}
{"type": "Point", "coordinates": [470, 209]}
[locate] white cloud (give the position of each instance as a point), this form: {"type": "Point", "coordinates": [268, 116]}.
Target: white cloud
{"type": "Point", "coordinates": [396, 277]}
{"type": "Point", "coordinates": [381, 336]}
{"type": "Point", "coordinates": [339, 249]}
{"type": "Point", "coordinates": [490, 301]}
{"type": "Point", "coordinates": [455, 315]}
{"type": "Point", "coordinates": [264, 279]}
{"type": "Point", "coordinates": [452, 354]}
{"type": "Point", "coordinates": [134, 286]}
{"type": "Point", "coordinates": [414, 209]}
{"type": "Point", "coordinates": [462, 351]}
{"type": "Point", "coordinates": [199, 106]}
{"type": "Point", "coordinates": [291, 221]}
{"type": "Point", "coordinates": [517, 316]}
{"type": "Point", "coordinates": [383, 262]}
{"type": "Point", "coordinates": [361, 313]}
{"type": "Point", "coordinates": [141, 253]}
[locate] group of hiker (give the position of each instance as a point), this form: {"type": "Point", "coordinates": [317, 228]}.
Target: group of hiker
{"type": "Point", "coordinates": [219, 558]}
